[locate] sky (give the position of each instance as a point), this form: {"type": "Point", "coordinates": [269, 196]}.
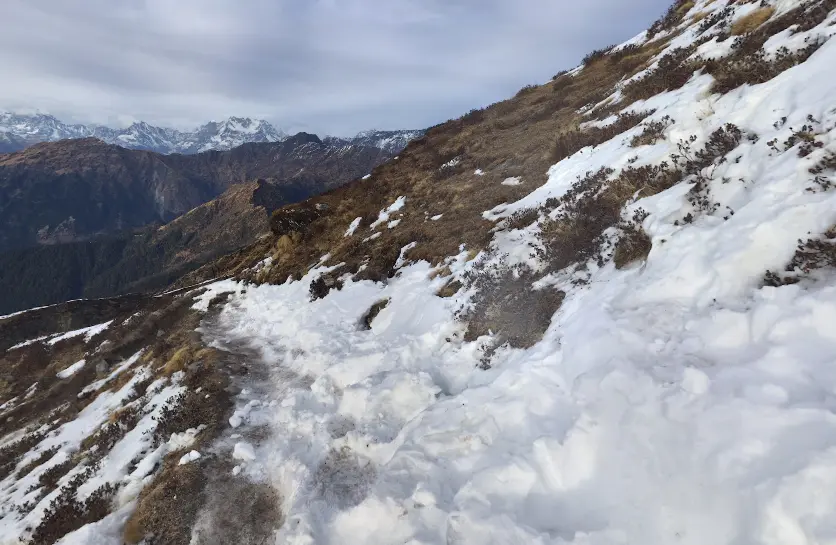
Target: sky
{"type": "Point", "coordinates": [325, 66]}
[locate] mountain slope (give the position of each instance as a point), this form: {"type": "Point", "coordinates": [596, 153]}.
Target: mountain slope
{"type": "Point", "coordinates": [75, 189]}
{"type": "Point", "coordinates": [596, 313]}
{"type": "Point", "coordinates": [149, 259]}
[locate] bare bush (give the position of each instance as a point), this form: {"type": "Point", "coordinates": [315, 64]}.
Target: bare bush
{"type": "Point", "coordinates": [507, 306]}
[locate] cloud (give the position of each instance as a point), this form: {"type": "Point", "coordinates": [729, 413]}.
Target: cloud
{"type": "Point", "coordinates": [331, 66]}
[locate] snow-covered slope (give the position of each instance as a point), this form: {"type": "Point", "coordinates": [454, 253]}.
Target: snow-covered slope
{"type": "Point", "coordinates": [640, 352]}
{"type": "Point", "coordinates": [19, 131]}
{"type": "Point", "coordinates": [390, 141]}
{"type": "Point", "coordinates": [678, 400]}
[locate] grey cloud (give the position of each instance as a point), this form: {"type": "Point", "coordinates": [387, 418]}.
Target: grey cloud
{"type": "Point", "coordinates": [331, 66]}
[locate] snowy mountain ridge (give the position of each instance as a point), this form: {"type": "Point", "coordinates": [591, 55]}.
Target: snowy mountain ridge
{"type": "Point", "coordinates": [18, 131]}
{"type": "Point", "coordinates": [598, 313]}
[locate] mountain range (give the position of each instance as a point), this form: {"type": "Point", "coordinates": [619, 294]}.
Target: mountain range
{"type": "Point", "coordinates": [83, 218]}
{"type": "Point", "coordinates": [597, 313]}
{"type": "Point", "coordinates": [19, 131]}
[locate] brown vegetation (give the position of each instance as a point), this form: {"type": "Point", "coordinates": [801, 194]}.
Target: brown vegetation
{"type": "Point", "coordinates": [507, 305]}
{"type": "Point", "coordinates": [810, 256]}
{"type": "Point", "coordinates": [753, 20]}
{"type": "Point", "coordinates": [633, 245]}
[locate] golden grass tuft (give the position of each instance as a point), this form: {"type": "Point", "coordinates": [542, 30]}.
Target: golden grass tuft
{"type": "Point", "coordinates": [748, 23]}
{"type": "Point", "coordinates": [178, 361]}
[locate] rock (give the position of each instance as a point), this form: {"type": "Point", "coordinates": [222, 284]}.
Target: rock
{"type": "Point", "coordinates": [293, 219]}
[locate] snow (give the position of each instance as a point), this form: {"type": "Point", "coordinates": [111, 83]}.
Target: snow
{"type": "Point", "coordinates": [72, 369]}
{"type": "Point", "coordinates": [478, 172]}
{"type": "Point", "coordinates": [104, 532]}
{"type": "Point", "coordinates": [136, 444]}
{"type": "Point", "coordinates": [385, 214]}
{"type": "Point", "coordinates": [97, 385]}
{"type": "Point", "coordinates": [511, 181]}
{"type": "Point", "coordinates": [436, 217]}
{"type": "Point", "coordinates": [28, 342]}
{"type": "Point", "coordinates": [451, 163]}
{"type": "Point", "coordinates": [355, 223]}
{"type": "Point", "coordinates": [243, 451]}
{"type": "Point", "coordinates": [366, 177]}
{"type": "Point", "coordinates": [675, 401]}
{"type": "Point", "coordinates": [189, 457]}
{"type": "Point", "coordinates": [180, 441]}
{"type": "Point", "coordinates": [392, 224]}
{"type": "Point", "coordinates": [88, 332]}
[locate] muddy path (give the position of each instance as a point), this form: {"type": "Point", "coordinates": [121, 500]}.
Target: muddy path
{"type": "Point", "coordinates": [239, 506]}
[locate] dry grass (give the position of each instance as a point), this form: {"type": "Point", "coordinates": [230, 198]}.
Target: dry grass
{"type": "Point", "coordinates": [750, 22]}
{"type": "Point", "coordinates": [179, 360]}
{"type": "Point", "coordinates": [168, 507]}
{"type": "Point", "coordinates": [511, 138]}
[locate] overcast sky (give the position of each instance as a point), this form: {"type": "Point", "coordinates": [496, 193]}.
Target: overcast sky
{"type": "Point", "coordinates": [326, 66]}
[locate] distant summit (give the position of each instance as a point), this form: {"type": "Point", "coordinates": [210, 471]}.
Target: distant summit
{"type": "Point", "coordinates": [19, 131]}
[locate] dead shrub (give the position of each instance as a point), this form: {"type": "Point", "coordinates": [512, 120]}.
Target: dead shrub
{"type": "Point", "coordinates": [812, 255]}
{"type": "Point", "coordinates": [380, 265]}
{"type": "Point", "coordinates": [571, 142]}
{"type": "Point", "coordinates": [11, 454]}
{"type": "Point", "coordinates": [49, 478]}
{"type": "Point", "coordinates": [40, 460]}
{"type": "Point", "coordinates": [110, 433]}
{"type": "Point", "coordinates": [719, 17]}
{"type": "Point", "coordinates": [634, 243]}
{"type": "Point", "coordinates": [522, 218]}
{"type": "Point", "coordinates": [694, 164]}
{"type": "Point", "coordinates": [66, 514]}
{"type": "Point", "coordinates": [672, 72]}
{"type": "Point", "coordinates": [525, 90]}
{"type": "Point", "coordinates": [344, 479]}
{"type": "Point", "coordinates": [748, 64]}
{"type": "Point", "coordinates": [506, 305]}
{"type": "Point", "coordinates": [721, 142]}
{"type": "Point", "coordinates": [652, 132]}
{"type": "Point", "coordinates": [755, 67]}
{"type": "Point", "coordinates": [753, 20]}
{"type": "Point", "coordinates": [597, 55]}
{"type": "Point", "coordinates": [822, 182]}
{"type": "Point", "coordinates": [671, 18]}
{"type": "Point", "coordinates": [576, 233]}
{"type": "Point", "coordinates": [472, 117]}
{"type": "Point", "coordinates": [190, 410]}
{"type": "Point", "coordinates": [238, 512]}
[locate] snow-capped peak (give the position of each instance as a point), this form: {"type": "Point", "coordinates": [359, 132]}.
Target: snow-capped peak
{"type": "Point", "coordinates": [18, 131]}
